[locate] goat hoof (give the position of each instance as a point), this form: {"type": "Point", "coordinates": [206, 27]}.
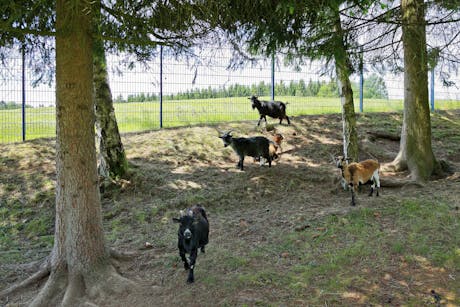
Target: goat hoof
{"type": "Point", "coordinates": [190, 280]}
{"type": "Point", "coordinates": [202, 250]}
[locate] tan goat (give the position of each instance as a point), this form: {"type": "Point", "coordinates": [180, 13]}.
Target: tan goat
{"type": "Point", "coordinates": [356, 173]}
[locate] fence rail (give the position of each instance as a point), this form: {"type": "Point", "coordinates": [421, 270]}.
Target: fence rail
{"type": "Point", "coordinates": [170, 93]}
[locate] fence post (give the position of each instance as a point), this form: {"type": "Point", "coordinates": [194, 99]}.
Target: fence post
{"type": "Point", "coordinates": [273, 77]}
{"type": "Point", "coordinates": [23, 92]}
{"type": "Point", "coordinates": [161, 86]}
{"type": "Point", "coordinates": [361, 83]}
{"type": "Point", "coordinates": [432, 89]}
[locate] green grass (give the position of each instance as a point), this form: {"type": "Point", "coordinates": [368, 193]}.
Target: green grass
{"type": "Point", "coordinates": [342, 252]}
{"type": "Point", "coordinates": [131, 117]}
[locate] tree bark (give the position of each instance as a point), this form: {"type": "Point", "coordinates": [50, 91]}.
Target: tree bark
{"type": "Point", "coordinates": [112, 160]}
{"type": "Point", "coordinates": [415, 151]}
{"type": "Point", "coordinates": [343, 70]}
{"type": "Point", "coordinates": [80, 263]}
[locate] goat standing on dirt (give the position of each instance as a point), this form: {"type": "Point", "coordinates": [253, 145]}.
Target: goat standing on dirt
{"type": "Point", "coordinates": [359, 173]}
{"type": "Point", "coordinates": [257, 146]}
{"type": "Point", "coordinates": [193, 234]}
{"type": "Point", "coordinates": [274, 109]}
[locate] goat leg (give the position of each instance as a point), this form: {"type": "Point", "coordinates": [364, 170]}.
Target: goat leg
{"type": "Point", "coordinates": [353, 196]}
{"type": "Point", "coordinates": [240, 163]}
{"type": "Point", "coordinates": [372, 189]}
{"type": "Point", "coordinates": [191, 277]}
{"type": "Point", "coordinates": [260, 119]}
{"type": "Point", "coordinates": [184, 259]}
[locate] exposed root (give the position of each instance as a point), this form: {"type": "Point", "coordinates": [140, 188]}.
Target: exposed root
{"type": "Point", "coordinates": [39, 275]}
{"type": "Point", "coordinates": [383, 135]}
{"type": "Point", "coordinates": [454, 177]}
{"type": "Point", "coordinates": [104, 284]}
{"type": "Point", "coordinates": [64, 288]}
{"type": "Point", "coordinates": [397, 165]}
{"type": "Point", "coordinates": [53, 289]}
{"type": "Point", "coordinates": [398, 183]}
{"type": "Point", "coordinates": [75, 291]}
{"type": "Point", "coordinates": [122, 255]}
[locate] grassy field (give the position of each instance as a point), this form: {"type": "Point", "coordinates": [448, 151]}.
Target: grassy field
{"type": "Point", "coordinates": [280, 236]}
{"type": "Point", "coordinates": [131, 117]}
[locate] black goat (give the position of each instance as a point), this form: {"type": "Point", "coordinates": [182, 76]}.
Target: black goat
{"type": "Point", "coordinates": [257, 146]}
{"type": "Point", "coordinates": [274, 109]}
{"type": "Point", "coordinates": [193, 234]}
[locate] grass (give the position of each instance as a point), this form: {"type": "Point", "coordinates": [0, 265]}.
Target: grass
{"type": "Point", "coordinates": [131, 117]}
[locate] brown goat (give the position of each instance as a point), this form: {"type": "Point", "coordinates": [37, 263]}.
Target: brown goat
{"type": "Point", "coordinates": [360, 173]}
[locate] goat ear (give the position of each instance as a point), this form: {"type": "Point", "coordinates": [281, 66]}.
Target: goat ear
{"type": "Point", "coordinates": [176, 220]}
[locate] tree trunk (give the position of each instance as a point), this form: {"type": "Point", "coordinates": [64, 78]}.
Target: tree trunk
{"type": "Point", "coordinates": [79, 260]}
{"type": "Point", "coordinates": [112, 161]}
{"type": "Point", "coordinates": [343, 70]}
{"type": "Point", "coordinates": [415, 151]}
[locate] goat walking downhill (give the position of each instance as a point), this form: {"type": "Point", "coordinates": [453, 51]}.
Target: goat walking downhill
{"type": "Point", "coordinates": [359, 173]}
{"type": "Point", "coordinates": [192, 235]}
{"type": "Point", "coordinates": [257, 146]}
{"type": "Point", "coordinates": [274, 109]}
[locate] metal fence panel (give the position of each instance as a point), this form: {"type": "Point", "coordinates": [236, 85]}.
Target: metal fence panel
{"type": "Point", "coordinates": [200, 92]}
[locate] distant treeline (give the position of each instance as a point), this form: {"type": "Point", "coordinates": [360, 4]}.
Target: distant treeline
{"type": "Point", "coordinates": [374, 87]}
{"type": "Point", "coordinates": [10, 105]}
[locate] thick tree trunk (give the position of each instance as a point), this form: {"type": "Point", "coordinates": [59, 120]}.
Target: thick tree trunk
{"type": "Point", "coordinates": [112, 161]}
{"type": "Point", "coordinates": [79, 261]}
{"type": "Point", "coordinates": [342, 62]}
{"type": "Point", "coordinates": [415, 151]}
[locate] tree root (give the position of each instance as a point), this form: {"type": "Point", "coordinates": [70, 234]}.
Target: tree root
{"type": "Point", "coordinates": [117, 255]}
{"type": "Point", "coordinates": [384, 135]}
{"type": "Point", "coordinates": [37, 276]}
{"type": "Point", "coordinates": [75, 289]}
{"type": "Point", "coordinates": [398, 183]}
{"type": "Point", "coordinates": [67, 288]}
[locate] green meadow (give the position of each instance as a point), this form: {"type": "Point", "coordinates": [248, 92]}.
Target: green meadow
{"type": "Point", "coordinates": [132, 117]}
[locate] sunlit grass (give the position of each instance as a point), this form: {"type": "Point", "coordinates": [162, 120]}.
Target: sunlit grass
{"type": "Point", "coordinates": [131, 117]}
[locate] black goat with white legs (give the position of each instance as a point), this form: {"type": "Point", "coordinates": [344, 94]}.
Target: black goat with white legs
{"type": "Point", "coordinates": [274, 109]}
{"type": "Point", "coordinates": [192, 235]}
{"type": "Point", "coordinates": [257, 146]}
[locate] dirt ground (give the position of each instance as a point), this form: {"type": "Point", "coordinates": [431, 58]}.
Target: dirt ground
{"type": "Point", "coordinates": [251, 213]}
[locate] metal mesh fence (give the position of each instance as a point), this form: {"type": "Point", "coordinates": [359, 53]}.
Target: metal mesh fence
{"type": "Point", "coordinates": [196, 94]}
